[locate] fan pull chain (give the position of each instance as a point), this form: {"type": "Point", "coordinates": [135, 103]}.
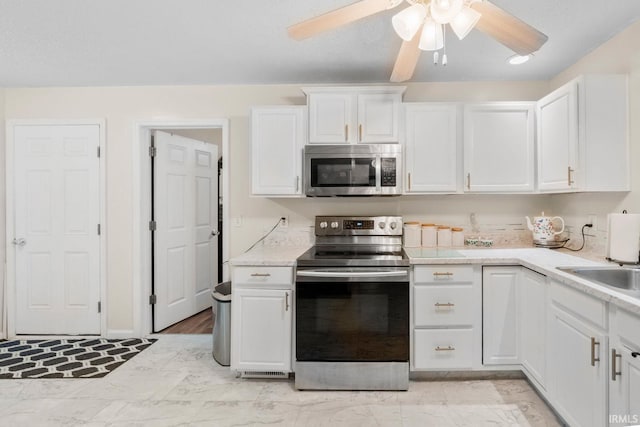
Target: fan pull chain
{"type": "Point", "coordinates": [435, 57]}
{"type": "Point", "coordinates": [444, 47]}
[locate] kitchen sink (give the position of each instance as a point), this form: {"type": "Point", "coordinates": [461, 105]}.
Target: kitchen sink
{"type": "Point", "coordinates": [620, 278]}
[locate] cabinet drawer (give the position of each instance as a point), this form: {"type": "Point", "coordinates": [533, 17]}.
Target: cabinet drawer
{"type": "Point", "coordinates": [589, 308]}
{"type": "Point", "coordinates": [628, 327]}
{"type": "Point", "coordinates": [440, 305]}
{"type": "Point", "coordinates": [443, 348]}
{"type": "Point", "coordinates": [443, 274]}
{"type": "Point", "coordinates": [262, 277]}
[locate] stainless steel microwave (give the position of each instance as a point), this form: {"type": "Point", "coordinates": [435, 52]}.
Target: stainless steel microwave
{"type": "Point", "coordinates": [353, 170]}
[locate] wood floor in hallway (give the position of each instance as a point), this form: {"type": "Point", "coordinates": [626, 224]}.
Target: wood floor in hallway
{"type": "Point", "coordinates": [201, 323]}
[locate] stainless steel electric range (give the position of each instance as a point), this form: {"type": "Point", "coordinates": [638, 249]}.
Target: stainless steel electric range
{"type": "Point", "coordinates": [352, 306]}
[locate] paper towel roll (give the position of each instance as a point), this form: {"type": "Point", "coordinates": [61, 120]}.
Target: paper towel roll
{"type": "Point", "coordinates": [624, 237]}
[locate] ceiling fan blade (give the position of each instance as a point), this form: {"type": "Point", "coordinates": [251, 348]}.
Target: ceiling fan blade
{"type": "Point", "coordinates": [512, 32]}
{"type": "Point", "coordinates": [339, 17]}
{"type": "Point", "coordinates": [407, 60]}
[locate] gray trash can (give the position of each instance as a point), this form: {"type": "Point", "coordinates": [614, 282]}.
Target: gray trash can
{"type": "Point", "coordinates": [221, 295]}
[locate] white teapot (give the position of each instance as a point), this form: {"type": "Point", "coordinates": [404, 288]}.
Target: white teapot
{"type": "Point", "coordinates": [542, 228]}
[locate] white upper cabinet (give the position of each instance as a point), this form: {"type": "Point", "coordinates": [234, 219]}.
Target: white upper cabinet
{"type": "Point", "coordinates": [499, 147]}
{"type": "Point", "coordinates": [583, 136]}
{"type": "Point", "coordinates": [431, 147]}
{"type": "Point", "coordinates": [349, 115]}
{"type": "Point", "coordinates": [558, 139]}
{"type": "Point", "coordinates": [277, 141]}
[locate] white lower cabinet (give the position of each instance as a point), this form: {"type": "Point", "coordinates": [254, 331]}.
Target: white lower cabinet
{"type": "Point", "coordinates": [446, 318]}
{"type": "Point", "coordinates": [532, 322]}
{"type": "Point", "coordinates": [499, 315]}
{"type": "Point", "coordinates": [261, 320]}
{"type": "Point", "coordinates": [577, 361]}
{"type": "Point", "coordinates": [624, 362]}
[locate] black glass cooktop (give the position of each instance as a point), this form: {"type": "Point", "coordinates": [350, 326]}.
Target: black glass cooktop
{"type": "Point", "coordinates": [350, 255]}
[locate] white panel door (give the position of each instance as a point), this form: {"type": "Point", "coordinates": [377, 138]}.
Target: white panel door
{"type": "Point", "coordinates": [57, 211]}
{"type": "Point", "coordinates": [378, 117]}
{"type": "Point", "coordinates": [533, 317]}
{"type": "Point", "coordinates": [331, 118]}
{"type": "Point", "coordinates": [499, 315]}
{"type": "Point", "coordinates": [186, 216]}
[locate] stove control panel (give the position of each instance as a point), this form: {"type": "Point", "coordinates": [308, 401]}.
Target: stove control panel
{"type": "Point", "coordinates": [358, 226]}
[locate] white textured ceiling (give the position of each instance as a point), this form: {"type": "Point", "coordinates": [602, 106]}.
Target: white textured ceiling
{"type": "Point", "coordinates": [168, 42]}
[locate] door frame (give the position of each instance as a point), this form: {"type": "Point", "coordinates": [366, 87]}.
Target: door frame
{"type": "Point", "coordinates": [142, 209]}
{"type": "Point", "coordinates": [10, 284]}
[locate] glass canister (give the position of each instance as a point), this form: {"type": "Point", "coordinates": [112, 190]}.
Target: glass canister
{"type": "Point", "coordinates": [429, 235]}
{"type": "Point", "coordinates": [411, 236]}
{"type": "Point", "coordinates": [457, 236]}
{"type": "Point", "coordinates": [444, 236]}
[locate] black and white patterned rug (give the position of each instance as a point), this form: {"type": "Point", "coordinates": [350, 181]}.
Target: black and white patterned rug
{"type": "Point", "coordinates": [67, 358]}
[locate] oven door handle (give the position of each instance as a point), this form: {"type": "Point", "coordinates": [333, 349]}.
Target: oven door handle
{"type": "Point", "coordinates": [355, 274]}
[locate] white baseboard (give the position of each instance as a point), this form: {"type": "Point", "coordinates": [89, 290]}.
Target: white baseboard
{"type": "Point", "coordinates": [121, 333]}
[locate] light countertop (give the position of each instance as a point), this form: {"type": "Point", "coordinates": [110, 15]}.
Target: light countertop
{"type": "Point", "coordinates": [543, 261]}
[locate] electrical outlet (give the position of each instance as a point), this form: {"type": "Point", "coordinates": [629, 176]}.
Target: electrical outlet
{"type": "Point", "coordinates": [593, 219]}
{"type": "Point", "coordinates": [284, 221]}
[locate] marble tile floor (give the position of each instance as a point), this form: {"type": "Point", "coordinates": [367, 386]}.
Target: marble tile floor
{"type": "Point", "coordinates": [176, 382]}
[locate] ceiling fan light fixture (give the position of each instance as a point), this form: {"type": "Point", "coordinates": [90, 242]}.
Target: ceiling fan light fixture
{"type": "Point", "coordinates": [443, 11]}
{"type": "Point", "coordinates": [432, 37]}
{"type": "Point", "coordinates": [518, 59]}
{"type": "Point", "coordinates": [463, 22]}
{"type": "Point", "coordinates": [407, 22]}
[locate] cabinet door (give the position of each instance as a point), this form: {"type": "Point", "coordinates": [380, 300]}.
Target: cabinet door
{"type": "Point", "coordinates": [499, 315]}
{"type": "Point", "coordinates": [261, 330]}
{"type": "Point", "coordinates": [558, 139]}
{"type": "Point", "coordinates": [277, 141]}
{"type": "Point", "coordinates": [624, 388]}
{"type": "Point", "coordinates": [332, 118]}
{"type": "Point", "coordinates": [498, 147]}
{"type": "Point", "coordinates": [533, 316]}
{"type": "Point", "coordinates": [431, 141]}
{"type": "Point", "coordinates": [378, 117]}
{"type": "Point", "coordinates": [577, 361]}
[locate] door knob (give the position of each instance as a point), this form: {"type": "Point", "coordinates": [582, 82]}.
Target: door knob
{"type": "Point", "coordinates": [214, 233]}
{"type": "Point", "coordinates": [19, 242]}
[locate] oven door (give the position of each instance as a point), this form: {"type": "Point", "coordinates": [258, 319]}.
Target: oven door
{"type": "Point", "coordinates": [352, 315]}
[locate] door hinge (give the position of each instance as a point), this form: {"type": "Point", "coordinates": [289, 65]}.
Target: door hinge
{"type": "Point", "coordinates": [98, 151]}
{"type": "Point", "coordinates": [153, 299]}
{"type": "Point", "coordinates": [99, 229]}
{"type": "Point", "coordinates": [99, 306]}
{"type": "Point", "coordinates": [152, 151]}
{"type": "Point", "coordinates": [153, 225]}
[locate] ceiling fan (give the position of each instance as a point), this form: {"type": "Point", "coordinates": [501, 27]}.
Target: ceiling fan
{"type": "Point", "coordinates": [421, 26]}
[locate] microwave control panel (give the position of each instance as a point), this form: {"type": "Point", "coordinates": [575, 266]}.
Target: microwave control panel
{"type": "Point", "coordinates": [388, 172]}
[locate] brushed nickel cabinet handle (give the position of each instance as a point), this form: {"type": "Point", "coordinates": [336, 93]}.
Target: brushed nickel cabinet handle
{"type": "Point", "coordinates": [594, 359]}
{"type": "Point", "coordinates": [360, 133]}
{"type": "Point", "coordinates": [260, 275]}
{"type": "Point", "coordinates": [297, 183]}
{"type": "Point", "coordinates": [448, 304]}
{"type": "Point", "coordinates": [447, 348]}
{"type": "Point", "coordinates": [409, 177]}
{"type": "Point", "coordinates": [469, 181]}
{"type": "Point", "coordinates": [286, 301]}
{"type": "Point", "coordinates": [614, 370]}
{"type": "Point", "coordinates": [438, 274]}
{"type": "Point", "coordinates": [346, 133]}
{"type": "Point", "coordinates": [569, 180]}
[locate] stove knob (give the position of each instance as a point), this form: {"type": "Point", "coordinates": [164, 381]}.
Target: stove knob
{"type": "Point", "coordinates": [393, 225]}
{"type": "Point", "coordinates": [323, 224]}
{"type": "Point", "coordinates": [334, 224]}
{"type": "Point", "coordinates": [382, 224]}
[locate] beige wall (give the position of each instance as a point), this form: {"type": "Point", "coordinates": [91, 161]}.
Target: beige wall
{"type": "Point", "coordinates": [619, 55]}
{"type": "Point", "coordinates": [122, 106]}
